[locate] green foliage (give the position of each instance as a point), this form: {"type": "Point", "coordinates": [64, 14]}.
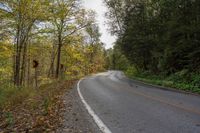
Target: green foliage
{"type": "Point", "coordinates": [116, 60]}
{"type": "Point", "coordinates": [195, 79]}
{"type": "Point", "coordinates": [9, 118]}
{"type": "Point", "coordinates": [46, 105]}
{"type": "Point", "coordinates": [5, 60]}
{"type": "Point", "coordinates": [160, 38]}
{"type": "Point", "coordinates": [180, 80]}
{"type": "Point", "coordinates": [131, 71]}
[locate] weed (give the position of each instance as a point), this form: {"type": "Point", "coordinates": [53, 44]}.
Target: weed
{"type": "Point", "coordinates": [9, 118]}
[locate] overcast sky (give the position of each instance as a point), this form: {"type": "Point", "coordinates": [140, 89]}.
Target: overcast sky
{"type": "Point", "coordinates": [100, 9]}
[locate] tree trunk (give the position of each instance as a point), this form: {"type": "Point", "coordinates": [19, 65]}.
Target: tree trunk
{"type": "Point", "coordinates": [17, 58]}
{"type": "Point", "coordinates": [29, 71]}
{"type": "Point", "coordinates": [23, 67]}
{"type": "Point", "coordinates": [51, 68]}
{"type": "Point", "coordinates": [36, 78]}
{"type": "Point", "coordinates": [59, 56]}
{"type": "Point", "coordinates": [17, 65]}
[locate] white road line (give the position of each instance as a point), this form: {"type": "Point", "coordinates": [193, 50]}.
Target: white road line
{"type": "Point", "coordinates": [97, 120]}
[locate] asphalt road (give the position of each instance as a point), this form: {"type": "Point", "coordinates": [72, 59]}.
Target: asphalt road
{"type": "Point", "coordinates": [126, 106]}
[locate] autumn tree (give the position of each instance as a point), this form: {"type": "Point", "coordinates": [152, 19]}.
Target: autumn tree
{"type": "Point", "coordinates": [20, 17]}
{"type": "Point", "coordinates": [67, 17]}
{"type": "Point", "coordinates": [48, 32]}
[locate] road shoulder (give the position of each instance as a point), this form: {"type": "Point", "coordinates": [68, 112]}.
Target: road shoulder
{"type": "Point", "coordinates": [76, 118]}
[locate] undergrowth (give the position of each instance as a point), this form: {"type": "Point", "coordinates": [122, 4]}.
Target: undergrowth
{"type": "Point", "coordinates": [32, 110]}
{"type": "Point", "coordinates": [182, 80]}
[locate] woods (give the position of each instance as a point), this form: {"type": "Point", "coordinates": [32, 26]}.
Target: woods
{"type": "Point", "coordinates": [159, 38]}
{"type": "Point", "coordinates": [45, 46]}
{"type": "Point", "coordinates": [57, 34]}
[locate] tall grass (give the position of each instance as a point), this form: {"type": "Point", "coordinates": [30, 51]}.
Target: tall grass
{"type": "Point", "coordinates": [12, 95]}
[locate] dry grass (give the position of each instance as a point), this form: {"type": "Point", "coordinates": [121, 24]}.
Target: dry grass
{"type": "Point", "coordinates": [30, 110]}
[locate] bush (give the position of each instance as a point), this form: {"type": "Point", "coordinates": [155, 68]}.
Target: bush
{"type": "Point", "coordinates": [183, 80]}
{"type": "Point", "coordinates": [131, 71]}
{"type": "Point", "coordinates": [196, 80]}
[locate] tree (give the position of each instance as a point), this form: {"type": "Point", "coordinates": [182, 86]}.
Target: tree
{"type": "Point", "coordinates": [116, 59]}
{"type": "Point", "coordinates": [21, 16]}
{"type": "Point", "coordinates": [115, 15]}
{"type": "Point", "coordinates": [159, 36]}
{"type": "Point", "coordinates": [67, 18]}
{"type": "Point", "coordinates": [45, 32]}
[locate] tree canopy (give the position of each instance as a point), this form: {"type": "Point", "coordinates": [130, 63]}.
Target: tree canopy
{"type": "Point", "coordinates": [161, 36]}
{"type": "Point", "coordinates": [59, 35]}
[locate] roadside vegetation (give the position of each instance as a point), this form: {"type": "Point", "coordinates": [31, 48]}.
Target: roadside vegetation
{"type": "Point", "coordinates": [180, 80]}
{"type": "Point", "coordinates": [29, 110]}
{"type": "Point", "coordinates": [158, 41]}
{"type": "Point", "coordinates": [45, 46]}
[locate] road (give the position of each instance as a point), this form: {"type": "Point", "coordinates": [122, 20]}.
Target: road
{"type": "Point", "coordinates": [127, 106]}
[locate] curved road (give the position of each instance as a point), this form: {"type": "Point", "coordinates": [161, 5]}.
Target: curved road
{"type": "Point", "coordinates": [127, 106]}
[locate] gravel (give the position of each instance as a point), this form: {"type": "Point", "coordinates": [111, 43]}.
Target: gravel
{"type": "Point", "coordinates": [76, 118]}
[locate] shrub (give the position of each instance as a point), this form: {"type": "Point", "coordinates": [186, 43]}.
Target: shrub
{"type": "Point", "coordinates": [131, 71]}
{"type": "Point", "coordinates": [183, 80]}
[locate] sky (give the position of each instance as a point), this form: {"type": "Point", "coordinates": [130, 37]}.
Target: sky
{"type": "Point", "coordinates": [100, 9]}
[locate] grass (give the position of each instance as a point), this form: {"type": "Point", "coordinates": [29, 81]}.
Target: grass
{"type": "Point", "coordinates": [11, 95]}
{"type": "Point", "coordinates": [35, 109]}
{"type": "Point", "coordinates": [183, 80]}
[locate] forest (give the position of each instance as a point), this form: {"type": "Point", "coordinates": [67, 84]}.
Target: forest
{"type": "Point", "coordinates": [158, 41]}
{"type": "Point", "coordinates": [42, 43]}
{"type": "Point", "coordinates": [59, 37]}
{"type": "Point", "coordinates": [44, 40]}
